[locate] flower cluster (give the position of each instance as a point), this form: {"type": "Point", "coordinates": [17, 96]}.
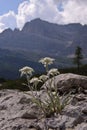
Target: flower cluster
{"type": "Point", "coordinates": [53, 72]}
{"type": "Point", "coordinates": [43, 77]}
{"type": "Point", "coordinates": [35, 81]}
{"type": "Point", "coordinates": [46, 61]}
{"type": "Point", "coordinates": [26, 71]}
{"type": "Point", "coordinates": [53, 104]}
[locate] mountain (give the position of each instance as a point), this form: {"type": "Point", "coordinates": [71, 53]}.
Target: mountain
{"type": "Point", "coordinates": [44, 37]}
{"type": "Point", "coordinates": [40, 38]}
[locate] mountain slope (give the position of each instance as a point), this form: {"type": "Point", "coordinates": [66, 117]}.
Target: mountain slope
{"type": "Point", "coordinates": [38, 39]}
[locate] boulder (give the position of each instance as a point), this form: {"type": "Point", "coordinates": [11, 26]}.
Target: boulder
{"type": "Point", "coordinates": [67, 82]}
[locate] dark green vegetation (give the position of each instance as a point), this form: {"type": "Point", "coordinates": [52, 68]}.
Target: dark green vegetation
{"type": "Point", "coordinates": [14, 84]}
{"type": "Point", "coordinates": [18, 83]}
{"type": "Point", "coordinates": [82, 71]}
{"type": "Point", "coordinates": [78, 57]}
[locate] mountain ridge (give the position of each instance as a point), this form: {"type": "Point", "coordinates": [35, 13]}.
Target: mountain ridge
{"type": "Point", "coordinates": [45, 34]}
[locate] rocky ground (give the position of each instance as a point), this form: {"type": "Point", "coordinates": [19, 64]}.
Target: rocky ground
{"type": "Point", "coordinates": [17, 112]}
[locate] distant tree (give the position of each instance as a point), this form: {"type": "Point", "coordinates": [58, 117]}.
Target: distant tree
{"type": "Point", "coordinates": [78, 57]}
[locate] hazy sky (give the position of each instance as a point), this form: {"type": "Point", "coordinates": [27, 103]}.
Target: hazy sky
{"type": "Point", "coordinates": [15, 13]}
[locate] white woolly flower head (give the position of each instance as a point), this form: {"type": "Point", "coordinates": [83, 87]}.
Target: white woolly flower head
{"type": "Point", "coordinates": [43, 77]}
{"type": "Point", "coordinates": [35, 80]}
{"type": "Point", "coordinates": [26, 70]}
{"type": "Point", "coordinates": [53, 72]}
{"type": "Point", "coordinates": [46, 61]}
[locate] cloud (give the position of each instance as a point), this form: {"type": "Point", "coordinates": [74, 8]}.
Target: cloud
{"type": "Point", "coordinates": [46, 9]}
{"type": "Point", "coordinates": [8, 21]}
{"type": "Point", "coordinates": [75, 11]}
{"type": "Point", "coordinates": [56, 11]}
{"type": "Point", "coordinates": [2, 27]}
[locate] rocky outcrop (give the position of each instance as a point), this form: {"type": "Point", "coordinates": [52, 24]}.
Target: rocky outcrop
{"type": "Point", "coordinates": [17, 112]}
{"type": "Point", "coordinates": [67, 82]}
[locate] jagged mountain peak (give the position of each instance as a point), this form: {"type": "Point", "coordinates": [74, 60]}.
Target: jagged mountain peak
{"type": "Point", "coordinates": [34, 26]}
{"type": "Point", "coordinates": [16, 30]}
{"type": "Point", "coordinates": [36, 20]}
{"type": "Point", "coordinates": [8, 30]}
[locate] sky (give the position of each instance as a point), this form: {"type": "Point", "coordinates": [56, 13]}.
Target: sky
{"type": "Point", "coordinates": [15, 13]}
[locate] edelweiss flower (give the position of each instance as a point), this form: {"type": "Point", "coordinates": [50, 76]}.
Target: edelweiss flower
{"type": "Point", "coordinates": [53, 72]}
{"type": "Point", "coordinates": [35, 80]}
{"type": "Point", "coordinates": [46, 61]}
{"type": "Point", "coordinates": [54, 93]}
{"type": "Point", "coordinates": [43, 77]}
{"type": "Point", "coordinates": [26, 70]}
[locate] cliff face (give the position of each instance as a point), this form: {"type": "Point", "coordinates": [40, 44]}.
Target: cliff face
{"type": "Point", "coordinates": [17, 112]}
